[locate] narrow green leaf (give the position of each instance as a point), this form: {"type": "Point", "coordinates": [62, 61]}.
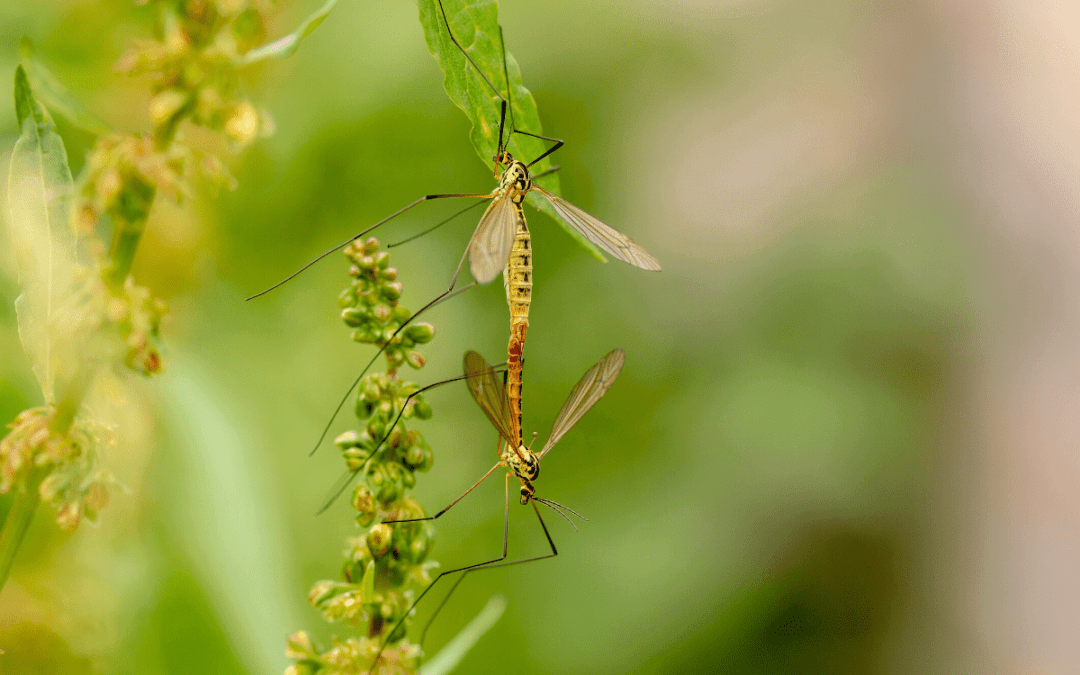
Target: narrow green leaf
{"type": "Point", "coordinates": [476, 26]}
{"type": "Point", "coordinates": [283, 48]}
{"type": "Point", "coordinates": [455, 650]}
{"type": "Point", "coordinates": [39, 192]}
{"type": "Point", "coordinates": [55, 95]}
{"type": "Point", "coordinates": [367, 584]}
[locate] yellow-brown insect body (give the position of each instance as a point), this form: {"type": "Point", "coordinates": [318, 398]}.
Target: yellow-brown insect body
{"type": "Point", "coordinates": [517, 279]}
{"type": "Point", "coordinates": [526, 466]}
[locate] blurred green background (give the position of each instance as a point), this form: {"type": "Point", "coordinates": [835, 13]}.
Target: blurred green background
{"type": "Point", "coordinates": [759, 483]}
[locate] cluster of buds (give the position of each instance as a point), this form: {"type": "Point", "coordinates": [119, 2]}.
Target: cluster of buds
{"type": "Point", "coordinates": [195, 63]}
{"type": "Point", "coordinates": [386, 564]}
{"type": "Point", "coordinates": [75, 484]}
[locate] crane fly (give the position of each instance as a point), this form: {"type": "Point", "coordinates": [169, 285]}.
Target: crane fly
{"type": "Point", "coordinates": [520, 461]}
{"type": "Point", "coordinates": [501, 240]}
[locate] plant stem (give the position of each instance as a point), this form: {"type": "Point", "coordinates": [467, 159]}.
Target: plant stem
{"type": "Point", "coordinates": [18, 521]}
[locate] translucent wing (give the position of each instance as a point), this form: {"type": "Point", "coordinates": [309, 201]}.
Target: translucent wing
{"type": "Point", "coordinates": [340, 485]}
{"type": "Point", "coordinates": [489, 248]}
{"type": "Point", "coordinates": [614, 242]}
{"type": "Point", "coordinates": [584, 395]}
{"type": "Point", "coordinates": [489, 393]}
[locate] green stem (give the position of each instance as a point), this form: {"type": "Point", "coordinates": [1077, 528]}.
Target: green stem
{"type": "Point", "coordinates": [18, 521]}
{"type": "Point", "coordinates": [129, 215]}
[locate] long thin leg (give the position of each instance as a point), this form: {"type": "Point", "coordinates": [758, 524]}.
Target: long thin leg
{"type": "Point", "coordinates": [449, 293]}
{"type": "Point", "coordinates": [438, 225]}
{"type": "Point", "coordinates": [343, 483]}
{"type": "Point", "coordinates": [393, 215]}
{"type": "Point", "coordinates": [487, 566]}
{"type": "Point", "coordinates": [506, 539]}
{"type": "Point", "coordinates": [475, 485]}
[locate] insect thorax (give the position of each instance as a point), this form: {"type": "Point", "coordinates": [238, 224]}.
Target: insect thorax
{"type": "Point", "coordinates": [526, 467]}
{"type": "Point", "coordinates": [515, 178]}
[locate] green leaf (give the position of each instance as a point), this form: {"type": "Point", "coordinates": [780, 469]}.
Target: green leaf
{"type": "Point", "coordinates": [367, 584]}
{"type": "Point", "coordinates": [455, 650]}
{"type": "Point", "coordinates": [476, 26]}
{"type": "Point", "coordinates": [39, 193]}
{"type": "Point", "coordinates": [283, 48]}
{"type": "Point", "coordinates": [55, 95]}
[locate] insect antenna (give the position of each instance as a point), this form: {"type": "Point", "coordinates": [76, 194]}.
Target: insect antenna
{"type": "Point", "coordinates": [559, 508]}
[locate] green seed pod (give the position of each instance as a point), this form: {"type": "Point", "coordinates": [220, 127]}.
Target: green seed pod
{"type": "Point", "coordinates": [401, 315]}
{"type": "Point", "coordinates": [392, 291]}
{"type": "Point", "coordinates": [395, 437]}
{"type": "Point", "coordinates": [348, 439]}
{"type": "Point", "coordinates": [364, 410]}
{"type": "Point", "coordinates": [429, 459]}
{"type": "Point", "coordinates": [389, 491]}
{"type": "Point", "coordinates": [378, 540]}
{"type": "Point", "coordinates": [355, 457]}
{"type": "Point", "coordinates": [376, 428]}
{"type": "Point", "coordinates": [421, 410]}
{"type": "Point", "coordinates": [415, 359]}
{"type": "Point", "coordinates": [353, 317]}
{"type": "Point", "coordinates": [321, 592]}
{"type": "Point", "coordinates": [366, 507]}
{"type": "Point", "coordinates": [419, 549]}
{"type": "Point", "coordinates": [370, 391]}
{"type": "Point", "coordinates": [414, 457]}
{"type": "Point", "coordinates": [420, 333]}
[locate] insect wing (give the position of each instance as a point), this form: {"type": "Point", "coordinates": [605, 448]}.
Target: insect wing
{"type": "Point", "coordinates": [611, 240]}
{"type": "Point", "coordinates": [488, 393]}
{"type": "Point", "coordinates": [584, 395]}
{"type": "Point", "coordinates": [340, 485]}
{"type": "Point", "coordinates": [489, 248]}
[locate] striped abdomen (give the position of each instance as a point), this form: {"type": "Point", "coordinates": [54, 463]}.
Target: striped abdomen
{"type": "Point", "coordinates": [517, 278]}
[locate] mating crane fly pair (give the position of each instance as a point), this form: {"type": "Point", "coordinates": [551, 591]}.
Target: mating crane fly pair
{"type": "Point", "coordinates": [502, 243]}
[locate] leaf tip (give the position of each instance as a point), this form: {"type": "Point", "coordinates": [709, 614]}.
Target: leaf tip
{"type": "Point", "coordinates": [24, 96]}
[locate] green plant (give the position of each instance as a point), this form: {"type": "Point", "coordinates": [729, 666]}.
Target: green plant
{"type": "Point", "coordinates": [80, 312]}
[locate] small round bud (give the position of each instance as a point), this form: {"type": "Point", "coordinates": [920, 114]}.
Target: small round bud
{"type": "Point", "coordinates": [379, 538]}
{"type": "Point", "coordinates": [421, 410]}
{"type": "Point", "coordinates": [401, 315]}
{"type": "Point", "coordinates": [348, 439]}
{"type": "Point", "coordinates": [392, 291]}
{"type": "Point", "coordinates": [415, 359]}
{"type": "Point", "coordinates": [414, 457]}
{"type": "Point", "coordinates": [420, 333]}
{"type": "Point", "coordinates": [382, 260]}
{"type": "Point", "coordinates": [354, 318]}
{"type": "Point", "coordinates": [364, 410]}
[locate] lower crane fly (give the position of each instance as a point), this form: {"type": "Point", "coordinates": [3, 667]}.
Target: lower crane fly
{"type": "Point", "coordinates": [501, 241]}
{"type": "Point", "coordinates": [520, 461]}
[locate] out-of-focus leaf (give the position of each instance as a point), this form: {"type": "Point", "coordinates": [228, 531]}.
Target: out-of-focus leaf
{"type": "Point", "coordinates": [476, 26]}
{"type": "Point", "coordinates": [55, 95]}
{"type": "Point", "coordinates": [39, 190]}
{"type": "Point", "coordinates": [455, 650]}
{"type": "Point", "coordinates": [222, 509]}
{"type": "Point", "coordinates": [283, 47]}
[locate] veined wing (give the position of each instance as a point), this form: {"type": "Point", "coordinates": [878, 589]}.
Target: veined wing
{"type": "Point", "coordinates": [489, 248]}
{"type": "Point", "coordinates": [611, 240]}
{"type": "Point", "coordinates": [488, 393]}
{"type": "Point", "coordinates": [584, 395]}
